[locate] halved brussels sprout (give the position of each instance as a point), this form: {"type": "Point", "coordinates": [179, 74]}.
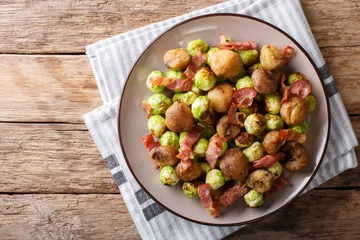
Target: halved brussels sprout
{"type": "Point", "coordinates": [272, 103]}
{"type": "Point", "coordinates": [197, 90]}
{"type": "Point", "coordinates": [273, 122]}
{"type": "Point", "coordinates": [275, 169]}
{"type": "Point", "coordinates": [176, 74]}
{"type": "Point", "coordinates": [188, 97]}
{"type": "Point", "coordinates": [190, 190]}
{"type": "Point", "coordinates": [301, 128]}
{"type": "Point", "coordinates": [156, 125]}
{"type": "Point", "coordinates": [168, 176]}
{"type": "Point", "coordinates": [159, 103]}
{"type": "Point", "coordinates": [170, 139]}
{"type": "Point", "coordinates": [254, 199]}
{"type": "Point", "coordinates": [254, 152]}
{"type": "Point", "coordinates": [150, 79]}
{"type": "Point", "coordinates": [215, 179]}
{"type": "Point", "coordinates": [195, 45]}
{"type": "Point", "coordinates": [200, 147]}
{"type": "Point", "coordinates": [249, 57]}
{"type": "Point", "coordinates": [311, 101]}
{"type": "Point", "coordinates": [255, 124]}
{"type": "Point", "coordinates": [244, 82]}
{"type": "Point", "coordinates": [205, 168]}
{"type": "Point", "coordinates": [295, 77]}
{"type": "Point", "coordinates": [205, 79]}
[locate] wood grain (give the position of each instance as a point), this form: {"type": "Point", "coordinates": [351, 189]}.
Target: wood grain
{"type": "Point", "coordinates": [98, 216]}
{"type": "Point", "coordinates": [51, 158]}
{"type": "Point", "coordinates": [61, 88]}
{"type": "Point", "coordinates": [65, 216]}
{"type": "Point", "coordinates": [68, 26]}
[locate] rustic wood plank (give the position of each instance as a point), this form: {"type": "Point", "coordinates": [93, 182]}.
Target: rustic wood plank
{"type": "Point", "coordinates": [47, 88]}
{"type": "Point", "coordinates": [97, 216]}
{"type": "Point", "coordinates": [58, 216]}
{"type": "Point", "coordinates": [67, 27]}
{"type": "Point", "coordinates": [320, 214]}
{"type": "Point", "coordinates": [60, 88]}
{"type": "Point", "coordinates": [51, 158]}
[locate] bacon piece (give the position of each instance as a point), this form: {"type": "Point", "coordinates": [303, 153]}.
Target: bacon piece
{"type": "Point", "coordinates": [244, 97]}
{"type": "Point", "coordinates": [160, 81]}
{"type": "Point", "coordinates": [302, 88]}
{"type": "Point", "coordinates": [284, 90]}
{"type": "Point", "coordinates": [231, 195]}
{"type": "Point", "coordinates": [279, 183]}
{"type": "Point", "coordinates": [196, 61]}
{"type": "Point", "coordinates": [146, 107]}
{"type": "Point", "coordinates": [180, 84]}
{"type": "Point", "coordinates": [187, 143]}
{"type": "Point", "coordinates": [149, 142]}
{"type": "Point", "coordinates": [290, 135]}
{"type": "Point", "coordinates": [236, 118]}
{"type": "Point", "coordinates": [289, 52]}
{"type": "Point", "coordinates": [237, 46]}
{"type": "Point", "coordinates": [214, 150]}
{"type": "Point", "coordinates": [206, 200]}
{"type": "Point", "coordinates": [268, 160]}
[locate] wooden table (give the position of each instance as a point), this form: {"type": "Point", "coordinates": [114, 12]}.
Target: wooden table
{"type": "Point", "coordinates": [54, 183]}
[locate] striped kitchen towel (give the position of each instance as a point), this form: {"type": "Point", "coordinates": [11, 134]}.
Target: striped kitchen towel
{"type": "Point", "coordinates": [111, 60]}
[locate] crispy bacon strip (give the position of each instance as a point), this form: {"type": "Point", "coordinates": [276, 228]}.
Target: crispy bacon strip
{"type": "Point", "coordinates": [244, 97]}
{"type": "Point", "coordinates": [302, 88]}
{"type": "Point", "coordinates": [279, 183]}
{"type": "Point", "coordinates": [284, 90]}
{"type": "Point", "coordinates": [231, 195]}
{"type": "Point", "coordinates": [268, 160]}
{"type": "Point", "coordinates": [237, 46]}
{"type": "Point", "coordinates": [289, 52]}
{"type": "Point", "coordinates": [236, 118]}
{"type": "Point", "coordinates": [290, 135]}
{"type": "Point", "coordinates": [187, 143]}
{"type": "Point", "coordinates": [196, 61]}
{"type": "Point", "coordinates": [146, 107]}
{"type": "Point", "coordinates": [214, 150]}
{"type": "Point", "coordinates": [149, 142]}
{"type": "Point", "coordinates": [173, 83]}
{"type": "Point", "coordinates": [206, 200]}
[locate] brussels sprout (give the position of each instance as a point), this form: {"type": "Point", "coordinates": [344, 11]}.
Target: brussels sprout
{"type": "Point", "coordinates": [168, 176]}
{"type": "Point", "coordinates": [295, 77]}
{"type": "Point", "coordinates": [209, 130]}
{"type": "Point", "coordinates": [175, 75]}
{"type": "Point", "coordinates": [205, 79]}
{"type": "Point", "coordinates": [244, 82]}
{"type": "Point", "coordinates": [253, 67]}
{"type": "Point", "coordinates": [188, 98]}
{"type": "Point", "coordinates": [311, 101]}
{"type": "Point", "coordinates": [275, 169]}
{"type": "Point", "coordinates": [255, 124]}
{"type": "Point", "coordinates": [254, 199]}
{"type": "Point", "coordinates": [159, 103]}
{"type": "Point", "coordinates": [170, 139]}
{"type": "Point", "coordinates": [210, 53]}
{"type": "Point", "coordinates": [182, 136]}
{"type": "Point", "coordinates": [215, 179]}
{"type": "Point", "coordinates": [197, 90]}
{"type": "Point", "coordinates": [190, 190]}
{"type": "Point", "coordinates": [150, 79]}
{"type": "Point", "coordinates": [254, 152]}
{"type": "Point", "coordinates": [272, 103]}
{"type": "Point", "coordinates": [249, 57]}
{"type": "Point", "coordinates": [250, 110]}
{"type": "Point", "coordinates": [273, 122]}
{"type": "Point", "coordinates": [200, 106]}
{"type": "Point", "coordinates": [205, 168]}
{"type": "Point", "coordinates": [301, 128]}
{"type": "Point", "coordinates": [195, 45]}
{"type": "Point", "coordinates": [200, 147]}
{"type": "Point", "coordinates": [156, 125]}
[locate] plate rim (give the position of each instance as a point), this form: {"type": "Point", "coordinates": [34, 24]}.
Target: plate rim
{"type": "Point", "coordinates": [323, 89]}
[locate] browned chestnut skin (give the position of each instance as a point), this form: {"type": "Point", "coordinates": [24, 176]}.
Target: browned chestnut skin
{"type": "Point", "coordinates": [263, 81]}
{"type": "Point", "coordinates": [164, 156]}
{"type": "Point", "coordinates": [271, 142]}
{"type": "Point", "coordinates": [244, 139]}
{"type": "Point", "coordinates": [272, 58]}
{"type": "Point", "coordinates": [177, 59]}
{"type": "Point", "coordinates": [260, 180]}
{"type": "Point", "coordinates": [294, 111]}
{"type": "Point", "coordinates": [296, 156]}
{"type": "Point", "coordinates": [277, 74]}
{"type": "Point", "coordinates": [221, 97]}
{"type": "Point", "coordinates": [191, 173]}
{"type": "Point", "coordinates": [178, 118]}
{"type": "Point", "coordinates": [225, 129]}
{"type": "Point", "coordinates": [234, 164]}
{"type": "Point", "coordinates": [226, 63]}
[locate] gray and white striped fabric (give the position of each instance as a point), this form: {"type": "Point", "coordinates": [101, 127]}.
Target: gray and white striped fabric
{"type": "Point", "coordinates": [112, 58]}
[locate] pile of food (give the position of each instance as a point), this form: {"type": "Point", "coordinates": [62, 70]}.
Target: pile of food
{"type": "Point", "coordinates": [227, 121]}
